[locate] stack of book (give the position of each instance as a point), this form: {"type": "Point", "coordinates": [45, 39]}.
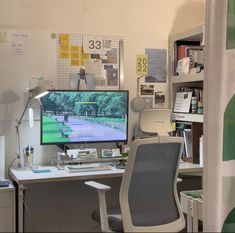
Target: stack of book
{"type": "Point", "coordinates": [194, 52]}
{"type": "Point", "coordinates": [197, 95]}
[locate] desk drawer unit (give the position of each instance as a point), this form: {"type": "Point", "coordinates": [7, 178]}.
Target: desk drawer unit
{"type": "Point", "coordinates": [7, 209]}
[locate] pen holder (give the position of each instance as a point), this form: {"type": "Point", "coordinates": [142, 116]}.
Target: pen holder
{"type": "Point", "coordinates": [28, 160]}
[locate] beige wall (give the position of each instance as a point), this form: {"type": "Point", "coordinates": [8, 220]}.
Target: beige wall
{"type": "Point", "coordinates": [144, 24]}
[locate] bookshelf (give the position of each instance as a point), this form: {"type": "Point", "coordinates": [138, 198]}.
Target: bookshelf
{"type": "Point", "coordinates": [188, 80]}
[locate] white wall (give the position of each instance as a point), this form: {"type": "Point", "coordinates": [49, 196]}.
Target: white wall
{"type": "Point", "coordinates": [144, 24]}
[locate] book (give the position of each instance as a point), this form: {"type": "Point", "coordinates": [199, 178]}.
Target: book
{"type": "Point", "coordinates": [179, 133]}
{"type": "Point", "coordinates": [4, 183]}
{"type": "Point", "coordinates": [187, 133]}
{"type": "Point", "coordinates": [187, 50]}
{"type": "Point", "coordinates": [183, 129]}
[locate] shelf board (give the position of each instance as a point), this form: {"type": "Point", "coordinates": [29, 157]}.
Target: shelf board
{"type": "Point", "coordinates": [195, 33]}
{"type": "Point", "coordinates": [188, 78]}
{"type": "Point", "coordinates": [188, 117]}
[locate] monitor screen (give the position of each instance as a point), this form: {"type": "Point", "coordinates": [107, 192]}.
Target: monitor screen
{"type": "Point", "coordinates": [84, 117]}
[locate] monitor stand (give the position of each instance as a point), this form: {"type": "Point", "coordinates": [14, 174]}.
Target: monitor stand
{"type": "Point", "coordinates": [63, 147]}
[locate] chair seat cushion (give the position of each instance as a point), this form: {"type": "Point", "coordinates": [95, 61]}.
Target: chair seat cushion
{"type": "Point", "coordinates": [114, 218]}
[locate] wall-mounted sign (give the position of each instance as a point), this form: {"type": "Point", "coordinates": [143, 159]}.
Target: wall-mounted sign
{"type": "Point", "coordinates": [92, 44]}
{"type": "Point", "coordinates": [141, 64]}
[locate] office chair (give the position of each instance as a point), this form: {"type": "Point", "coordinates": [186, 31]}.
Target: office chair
{"type": "Point", "coordinates": [148, 195]}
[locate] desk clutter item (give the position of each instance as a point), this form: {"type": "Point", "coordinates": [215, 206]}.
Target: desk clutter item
{"type": "Point", "coordinates": [183, 66]}
{"type": "Point", "coordinates": [87, 153]}
{"type": "Point", "coordinates": [121, 164]}
{"type": "Point", "coordinates": [41, 170]}
{"type": "Point", "coordinates": [106, 153]}
{"type": "Point", "coordinates": [28, 157]}
{"type": "Point", "coordinates": [82, 153]}
{"type": "Point", "coordinates": [4, 183]}
{"type": "Point", "coordinates": [87, 167]}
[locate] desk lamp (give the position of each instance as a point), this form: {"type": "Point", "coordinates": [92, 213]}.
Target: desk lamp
{"type": "Point", "coordinates": [36, 93]}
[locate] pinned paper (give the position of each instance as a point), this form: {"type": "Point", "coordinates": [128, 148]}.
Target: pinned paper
{"type": "Point", "coordinates": [141, 64]}
{"type": "Point", "coordinates": [64, 46]}
{"type": "Point", "coordinates": [75, 55]}
{"type": "Point", "coordinates": [64, 39]}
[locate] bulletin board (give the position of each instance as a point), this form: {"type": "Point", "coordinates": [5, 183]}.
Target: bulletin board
{"type": "Point", "coordinates": [57, 57]}
{"type": "Point", "coordinates": [100, 56]}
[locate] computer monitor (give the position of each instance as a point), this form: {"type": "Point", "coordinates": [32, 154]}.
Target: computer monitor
{"type": "Point", "coordinates": [69, 116]}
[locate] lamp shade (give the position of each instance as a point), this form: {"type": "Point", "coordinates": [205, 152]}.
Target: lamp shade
{"type": "Point", "coordinates": [138, 104]}
{"type": "Point", "coordinates": [39, 91]}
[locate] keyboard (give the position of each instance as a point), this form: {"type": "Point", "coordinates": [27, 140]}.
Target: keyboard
{"type": "Point", "coordinates": [87, 167]}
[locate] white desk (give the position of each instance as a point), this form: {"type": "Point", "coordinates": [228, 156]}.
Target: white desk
{"type": "Point", "coordinates": [24, 178]}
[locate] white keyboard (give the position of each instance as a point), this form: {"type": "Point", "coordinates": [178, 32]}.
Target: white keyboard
{"type": "Point", "coordinates": [87, 167]}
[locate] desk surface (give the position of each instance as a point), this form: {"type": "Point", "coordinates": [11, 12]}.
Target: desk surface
{"type": "Point", "coordinates": [27, 177]}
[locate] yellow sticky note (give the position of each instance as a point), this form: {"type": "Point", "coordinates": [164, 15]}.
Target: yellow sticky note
{"type": "Point", "coordinates": [64, 39]}
{"type": "Point", "coordinates": [64, 54]}
{"type": "Point", "coordinates": [85, 56]}
{"type": "Point", "coordinates": [141, 64]}
{"type": "Point", "coordinates": [75, 51]}
{"type": "Point", "coordinates": [75, 62]}
{"type": "Point", "coordinates": [75, 55]}
{"type": "Point", "coordinates": [64, 51]}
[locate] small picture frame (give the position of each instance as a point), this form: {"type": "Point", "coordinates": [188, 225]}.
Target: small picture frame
{"type": "Point", "coordinates": [147, 89]}
{"type": "Point", "coordinates": [183, 102]}
{"type": "Point", "coordinates": [148, 102]}
{"type": "Point", "coordinates": [160, 99]}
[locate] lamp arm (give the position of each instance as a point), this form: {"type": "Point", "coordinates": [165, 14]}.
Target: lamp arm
{"type": "Point", "coordinates": [138, 86]}
{"type": "Point", "coordinates": [18, 126]}
{"type": "Point", "coordinates": [22, 115]}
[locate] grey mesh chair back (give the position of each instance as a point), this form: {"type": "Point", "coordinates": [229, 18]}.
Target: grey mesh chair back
{"type": "Point", "coordinates": [148, 195]}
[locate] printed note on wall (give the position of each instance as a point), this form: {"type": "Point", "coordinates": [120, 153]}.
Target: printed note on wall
{"type": "Point", "coordinates": [141, 64]}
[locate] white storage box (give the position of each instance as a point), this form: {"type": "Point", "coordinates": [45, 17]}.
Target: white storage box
{"type": "Point", "coordinates": [192, 205]}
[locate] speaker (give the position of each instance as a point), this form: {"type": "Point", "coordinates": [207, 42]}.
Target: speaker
{"type": "Point", "coordinates": [2, 157]}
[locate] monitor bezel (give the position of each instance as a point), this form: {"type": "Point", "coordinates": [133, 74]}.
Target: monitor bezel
{"type": "Point", "coordinates": [86, 142]}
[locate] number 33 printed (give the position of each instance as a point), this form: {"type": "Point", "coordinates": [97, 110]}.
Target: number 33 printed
{"type": "Point", "coordinates": [95, 44]}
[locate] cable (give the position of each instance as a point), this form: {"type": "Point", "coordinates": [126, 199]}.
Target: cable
{"type": "Point", "coordinates": [11, 165]}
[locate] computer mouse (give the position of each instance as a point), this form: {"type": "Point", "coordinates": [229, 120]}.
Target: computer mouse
{"type": "Point", "coordinates": [120, 165]}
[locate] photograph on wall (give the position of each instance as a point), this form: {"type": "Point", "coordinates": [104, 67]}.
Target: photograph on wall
{"type": "Point", "coordinates": [146, 89]}
{"type": "Point", "coordinates": [159, 99]}
{"type": "Point", "coordinates": [156, 65]}
{"type": "Point", "coordinates": [112, 77]}
{"type": "Point", "coordinates": [150, 79]}
{"type": "Point", "coordinates": [148, 102]}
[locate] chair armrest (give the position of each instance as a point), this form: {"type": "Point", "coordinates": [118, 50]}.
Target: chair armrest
{"type": "Point", "coordinates": [101, 189]}
{"type": "Point", "coordinates": [98, 186]}
{"type": "Point", "coordinates": [179, 180]}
